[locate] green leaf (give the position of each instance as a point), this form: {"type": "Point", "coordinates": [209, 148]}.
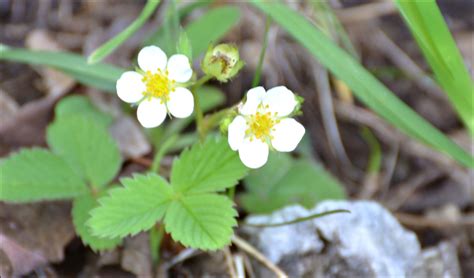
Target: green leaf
{"type": "Point", "coordinates": [81, 208]}
{"type": "Point", "coordinates": [184, 45]}
{"type": "Point", "coordinates": [207, 167]}
{"type": "Point", "coordinates": [201, 221]}
{"type": "Point", "coordinates": [101, 76]}
{"type": "Point", "coordinates": [284, 181]}
{"type": "Point", "coordinates": [433, 37]}
{"type": "Point", "coordinates": [37, 175]}
{"type": "Point", "coordinates": [80, 105]}
{"type": "Point", "coordinates": [88, 148]}
{"type": "Point", "coordinates": [366, 87]}
{"type": "Point", "coordinates": [210, 27]}
{"type": "Point", "coordinates": [105, 49]}
{"type": "Point", "coordinates": [133, 208]}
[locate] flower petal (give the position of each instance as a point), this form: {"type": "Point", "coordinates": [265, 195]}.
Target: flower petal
{"type": "Point", "coordinates": [280, 100]}
{"type": "Point", "coordinates": [287, 134]}
{"type": "Point", "coordinates": [253, 154]}
{"type": "Point", "coordinates": [179, 68]}
{"type": "Point", "coordinates": [152, 58]}
{"type": "Point", "coordinates": [130, 87]}
{"type": "Point", "coordinates": [151, 113]}
{"type": "Point", "coordinates": [254, 98]}
{"type": "Point", "coordinates": [181, 103]}
{"type": "Point", "coordinates": [236, 132]}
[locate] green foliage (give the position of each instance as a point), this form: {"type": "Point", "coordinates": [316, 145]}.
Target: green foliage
{"type": "Point", "coordinates": [210, 27]}
{"type": "Point", "coordinates": [105, 49]}
{"type": "Point", "coordinates": [133, 208]}
{"type": "Point", "coordinates": [87, 147]}
{"type": "Point", "coordinates": [366, 87]}
{"type": "Point", "coordinates": [81, 208]}
{"type": "Point", "coordinates": [283, 181]}
{"type": "Point", "coordinates": [159, 36]}
{"type": "Point", "coordinates": [184, 45]}
{"type": "Point", "coordinates": [433, 37]}
{"type": "Point", "coordinates": [101, 76]}
{"type": "Point", "coordinates": [207, 167]}
{"type": "Point", "coordinates": [36, 175]}
{"type": "Point", "coordinates": [80, 105]}
{"type": "Point", "coordinates": [193, 213]}
{"type": "Point", "coordinates": [201, 220]}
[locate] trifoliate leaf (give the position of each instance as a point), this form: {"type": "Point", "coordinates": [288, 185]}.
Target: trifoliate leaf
{"type": "Point", "coordinates": [207, 167]}
{"type": "Point", "coordinates": [36, 175]}
{"type": "Point", "coordinates": [201, 221]}
{"type": "Point", "coordinates": [81, 208]}
{"type": "Point", "coordinates": [87, 146]}
{"type": "Point", "coordinates": [284, 180]}
{"type": "Point", "coordinates": [80, 105]}
{"type": "Point", "coordinates": [133, 208]}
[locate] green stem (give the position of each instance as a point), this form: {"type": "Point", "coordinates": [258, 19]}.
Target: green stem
{"type": "Point", "coordinates": [298, 220]}
{"type": "Point", "coordinates": [161, 152]}
{"type": "Point", "coordinates": [156, 236]}
{"type": "Point", "coordinates": [258, 72]}
{"type": "Point", "coordinates": [197, 105]}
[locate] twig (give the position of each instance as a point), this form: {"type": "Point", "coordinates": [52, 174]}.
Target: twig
{"type": "Point", "coordinates": [384, 44]}
{"type": "Point", "coordinates": [366, 12]}
{"type": "Point", "coordinates": [409, 187]}
{"type": "Point", "coordinates": [245, 246]}
{"type": "Point", "coordinates": [417, 221]}
{"type": "Point", "coordinates": [326, 107]}
{"type": "Point", "coordinates": [239, 264]}
{"type": "Point", "coordinates": [407, 145]}
{"type": "Point", "coordinates": [230, 262]}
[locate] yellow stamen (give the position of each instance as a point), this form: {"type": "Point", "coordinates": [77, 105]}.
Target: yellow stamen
{"type": "Point", "coordinates": [261, 125]}
{"type": "Point", "coordinates": [158, 85]}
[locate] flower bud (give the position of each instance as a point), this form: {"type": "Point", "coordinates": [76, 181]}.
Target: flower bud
{"type": "Point", "coordinates": [222, 62]}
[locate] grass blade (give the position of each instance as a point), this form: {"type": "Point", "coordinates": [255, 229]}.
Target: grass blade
{"type": "Point", "coordinates": [105, 49]}
{"type": "Point", "coordinates": [433, 37]}
{"type": "Point", "coordinates": [364, 85]}
{"type": "Point", "coordinates": [102, 76]}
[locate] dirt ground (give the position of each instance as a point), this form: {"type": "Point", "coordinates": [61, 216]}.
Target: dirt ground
{"type": "Point", "coordinates": [428, 193]}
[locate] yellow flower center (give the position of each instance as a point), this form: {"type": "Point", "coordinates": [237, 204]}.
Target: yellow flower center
{"type": "Point", "coordinates": [158, 85]}
{"type": "Point", "coordinates": [261, 125]}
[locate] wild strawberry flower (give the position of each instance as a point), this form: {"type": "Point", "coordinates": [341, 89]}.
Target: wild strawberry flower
{"type": "Point", "coordinates": [158, 87]}
{"type": "Point", "coordinates": [263, 124]}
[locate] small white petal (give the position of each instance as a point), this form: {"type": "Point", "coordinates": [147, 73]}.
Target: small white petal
{"type": "Point", "coordinates": [288, 133]}
{"type": "Point", "coordinates": [280, 100]}
{"type": "Point", "coordinates": [152, 58]}
{"type": "Point", "coordinates": [179, 68]}
{"type": "Point", "coordinates": [237, 132]}
{"type": "Point", "coordinates": [151, 113]}
{"type": "Point", "coordinates": [130, 87]}
{"type": "Point", "coordinates": [254, 98]}
{"type": "Point", "coordinates": [253, 154]}
{"type": "Point", "coordinates": [181, 103]}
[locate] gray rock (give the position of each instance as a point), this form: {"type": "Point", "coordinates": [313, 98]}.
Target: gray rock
{"type": "Point", "coordinates": [438, 261]}
{"type": "Point", "coordinates": [368, 242]}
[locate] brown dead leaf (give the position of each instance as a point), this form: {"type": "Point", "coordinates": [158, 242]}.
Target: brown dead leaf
{"type": "Point", "coordinates": [27, 126]}
{"type": "Point", "coordinates": [130, 137]}
{"type": "Point", "coordinates": [8, 107]}
{"type": "Point", "coordinates": [32, 235]}
{"type": "Point", "coordinates": [136, 256]}
{"type": "Point", "coordinates": [57, 83]}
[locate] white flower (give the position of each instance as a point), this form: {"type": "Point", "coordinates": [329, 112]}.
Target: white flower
{"type": "Point", "coordinates": [263, 123]}
{"type": "Point", "coordinates": [159, 87]}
